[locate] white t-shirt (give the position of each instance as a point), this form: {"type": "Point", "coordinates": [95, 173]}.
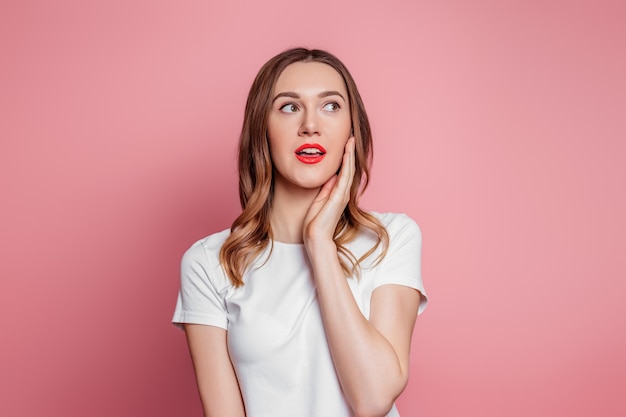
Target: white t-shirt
{"type": "Point", "coordinates": [276, 337]}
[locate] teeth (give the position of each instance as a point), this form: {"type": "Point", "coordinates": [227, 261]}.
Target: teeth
{"type": "Point", "coordinates": [311, 151]}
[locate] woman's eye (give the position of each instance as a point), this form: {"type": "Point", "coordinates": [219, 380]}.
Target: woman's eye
{"type": "Point", "coordinates": [289, 108]}
{"type": "Point", "coordinates": [332, 107]}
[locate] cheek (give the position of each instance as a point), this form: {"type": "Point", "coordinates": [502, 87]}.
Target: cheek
{"type": "Point", "coordinates": [278, 135]}
{"type": "Point", "coordinates": [338, 155]}
{"type": "Point", "coordinates": [275, 149]}
{"type": "Point", "coordinates": [275, 138]}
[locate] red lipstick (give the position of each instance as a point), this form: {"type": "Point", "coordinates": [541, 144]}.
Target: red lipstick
{"type": "Point", "coordinates": [310, 153]}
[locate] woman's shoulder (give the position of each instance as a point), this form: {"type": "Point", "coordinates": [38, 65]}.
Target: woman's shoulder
{"type": "Point", "coordinates": [400, 228]}
{"type": "Point", "coordinates": [200, 266]}
{"type": "Point", "coordinates": [395, 222]}
{"type": "Point", "coordinates": [207, 248]}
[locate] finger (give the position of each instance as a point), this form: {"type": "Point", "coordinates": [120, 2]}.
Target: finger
{"type": "Point", "coordinates": [346, 174]}
{"type": "Point", "coordinates": [352, 159]}
{"type": "Point", "coordinates": [326, 189]}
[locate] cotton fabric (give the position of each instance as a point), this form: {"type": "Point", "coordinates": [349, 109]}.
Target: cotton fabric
{"type": "Point", "coordinates": [276, 337]}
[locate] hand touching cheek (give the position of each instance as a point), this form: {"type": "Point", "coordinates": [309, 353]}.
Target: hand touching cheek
{"type": "Point", "coordinates": [325, 212]}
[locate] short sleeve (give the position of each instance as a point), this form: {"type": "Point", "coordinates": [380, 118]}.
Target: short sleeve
{"type": "Point", "coordinates": [199, 301]}
{"type": "Point", "coordinates": [402, 265]}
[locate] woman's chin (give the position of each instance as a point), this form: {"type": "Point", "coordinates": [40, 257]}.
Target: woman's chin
{"type": "Point", "coordinates": [304, 184]}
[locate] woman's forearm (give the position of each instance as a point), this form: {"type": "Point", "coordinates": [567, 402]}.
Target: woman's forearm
{"type": "Point", "coordinates": [370, 370]}
{"type": "Point", "coordinates": [215, 376]}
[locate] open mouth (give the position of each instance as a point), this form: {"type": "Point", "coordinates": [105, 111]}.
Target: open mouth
{"type": "Point", "coordinates": [310, 153]}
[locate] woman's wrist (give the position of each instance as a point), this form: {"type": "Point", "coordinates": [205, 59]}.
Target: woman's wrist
{"type": "Point", "coordinates": [320, 247]}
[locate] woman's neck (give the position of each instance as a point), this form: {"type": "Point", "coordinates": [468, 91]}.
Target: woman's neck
{"type": "Point", "coordinates": [290, 205]}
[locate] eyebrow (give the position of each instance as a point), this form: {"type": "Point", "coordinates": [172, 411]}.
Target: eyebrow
{"type": "Point", "coordinates": [320, 95]}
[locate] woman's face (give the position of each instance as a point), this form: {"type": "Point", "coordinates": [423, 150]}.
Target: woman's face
{"type": "Point", "coordinates": [309, 124]}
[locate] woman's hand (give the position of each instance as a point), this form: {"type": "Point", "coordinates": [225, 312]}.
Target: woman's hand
{"type": "Point", "coordinates": [371, 357]}
{"type": "Point", "coordinates": [325, 211]}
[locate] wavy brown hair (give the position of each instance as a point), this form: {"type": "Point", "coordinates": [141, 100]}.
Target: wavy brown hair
{"type": "Point", "coordinates": [251, 232]}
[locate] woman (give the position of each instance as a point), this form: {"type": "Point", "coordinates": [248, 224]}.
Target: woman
{"type": "Point", "coordinates": [306, 306]}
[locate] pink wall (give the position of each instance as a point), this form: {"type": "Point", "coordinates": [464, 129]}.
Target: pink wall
{"type": "Point", "coordinates": [500, 129]}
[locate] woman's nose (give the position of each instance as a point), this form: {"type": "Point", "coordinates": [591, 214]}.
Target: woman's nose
{"type": "Point", "coordinates": [309, 125]}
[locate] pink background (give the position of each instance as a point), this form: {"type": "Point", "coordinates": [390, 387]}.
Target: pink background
{"type": "Point", "coordinates": [499, 127]}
